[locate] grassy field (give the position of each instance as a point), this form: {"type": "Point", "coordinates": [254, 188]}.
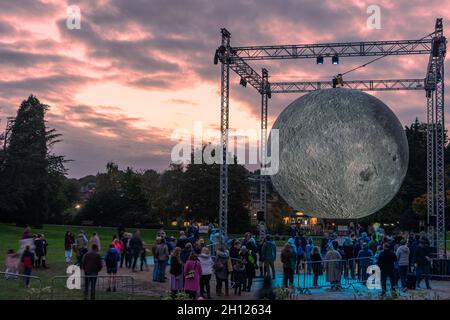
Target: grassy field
{"type": "Point", "coordinates": [9, 239]}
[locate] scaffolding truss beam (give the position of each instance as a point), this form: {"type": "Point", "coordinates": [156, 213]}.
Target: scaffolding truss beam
{"type": "Point", "coordinates": [344, 49]}
{"type": "Point", "coordinates": [364, 85]}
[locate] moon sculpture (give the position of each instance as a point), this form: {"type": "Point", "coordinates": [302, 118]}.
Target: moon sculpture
{"type": "Point", "coordinates": [343, 154]}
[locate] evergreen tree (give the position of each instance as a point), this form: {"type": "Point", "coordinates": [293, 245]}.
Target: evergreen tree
{"type": "Point", "coordinates": [29, 166]}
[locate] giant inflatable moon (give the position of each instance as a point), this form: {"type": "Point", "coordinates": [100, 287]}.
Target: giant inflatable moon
{"type": "Point", "coordinates": [343, 154]}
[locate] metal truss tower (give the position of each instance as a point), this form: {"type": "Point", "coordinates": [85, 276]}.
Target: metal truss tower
{"type": "Point", "coordinates": [434, 45]}
{"type": "Point", "coordinates": [224, 126]}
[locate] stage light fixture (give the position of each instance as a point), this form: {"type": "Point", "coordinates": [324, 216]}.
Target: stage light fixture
{"type": "Point", "coordinates": [319, 60]}
{"type": "Point", "coordinates": [335, 59]}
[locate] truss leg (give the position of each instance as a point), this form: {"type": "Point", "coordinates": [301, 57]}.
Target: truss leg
{"type": "Point", "coordinates": [431, 213]}
{"type": "Point", "coordinates": [224, 125]}
{"type": "Point", "coordinates": [440, 147]}
{"type": "Point", "coordinates": [263, 178]}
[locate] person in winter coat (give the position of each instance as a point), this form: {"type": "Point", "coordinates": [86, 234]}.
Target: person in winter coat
{"type": "Point", "coordinates": [316, 265]}
{"type": "Point", "coordinates": [91, 263]}
{"type": "Point", "coordinates": [364, 260]}
{"type": "Point", "coordinates": [386, 262]}
{"type": "Point", "coordinates": [38, 250]}
{"type": "Point", "coordinates": [112, 260]}
{"type": "Point", "coordinates": [268, 256]}
{"type": "Point", "coordinates": [207, 270]}
{"type": "Point", "coordinates": [222, 267]}
{"type": "Point", "coordinates": [192, 274]}
{"type": "Point", "coordinates": [309, 249]}
{"type": "Point", "coordinates": [422, 260]}
{"type": "Point", "coordinates": [238, 277]}
{"type": "Point", "coordinates": [289, 261]}
{"type": "Point", "coordinates": [95, 239]}
{"type": "Point", "coordinates": [162, 256]}
{"type": "Point", "coordinates": [11, 263]}
{"type": "Point", "coordinates": [69, 241]}
{"type": "Point", "coordinates": [126, 254]}
{"type": "Point", "coordinates": [248, 257]}
{"type": "Point", "coordinates": [136, 246]}
{"type": "Point", "coordinates": [333, 267]}
{"type": "Point", "coordinates": [182, 240]}
{"type": "Point", "coordinates": [402, 254]}
{"type": "Point", "coordinates": [81, 246]}
{"type": "Point", "coordinates": [186, 252]}
{"type": "Point", "coordinates": [27, 261]}
{"type": "Point", "coordinates": [347, 248]}
{"type": "Point", "coordinates": [176, 272]}
{"type": "Point", "coordinates": [234, 251]}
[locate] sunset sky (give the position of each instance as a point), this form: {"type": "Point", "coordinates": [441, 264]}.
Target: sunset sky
{"type": "Point", "coordinates": [137, 70]}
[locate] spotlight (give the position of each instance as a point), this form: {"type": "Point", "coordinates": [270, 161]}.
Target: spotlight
{"type": "Point", "coordinates": [243, 82]}
{"type": "Point", "coordinates": [319, 60]}
{"type": "Point", "coordinates": [335, 59]}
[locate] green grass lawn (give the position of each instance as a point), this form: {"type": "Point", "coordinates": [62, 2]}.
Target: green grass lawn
{"type": "Point", "coordinates": [9, 239]}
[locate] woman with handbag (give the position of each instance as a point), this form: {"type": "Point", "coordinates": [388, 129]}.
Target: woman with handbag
{"type": "Point", "coordinates": [192, 274]}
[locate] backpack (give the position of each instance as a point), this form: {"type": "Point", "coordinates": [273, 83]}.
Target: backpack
{"type": "Point", "coordinates": [111, 261]}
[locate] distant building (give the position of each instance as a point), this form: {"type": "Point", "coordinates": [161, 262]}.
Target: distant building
{"type": "Point", "coordinates": [254, 207]}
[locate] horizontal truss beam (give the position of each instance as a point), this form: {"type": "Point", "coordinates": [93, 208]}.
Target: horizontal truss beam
{"type": "Point", "coordinates": [345, 49]}
{"type": "Point", "coordinates": [364, 85]}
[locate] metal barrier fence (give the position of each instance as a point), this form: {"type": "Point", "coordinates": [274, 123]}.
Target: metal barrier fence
{"type": "Point", "coordinates": [19, 287]}
{"type": "Point", "coordinates": [339, 274]}
{"type": "Point", "coordinates": [320, 274]}
{"type": "Point", "coordinates": [105, 288]}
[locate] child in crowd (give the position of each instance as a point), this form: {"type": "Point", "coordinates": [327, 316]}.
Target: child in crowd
{"type": "Point", "coordinates": [238, 277]}
{"type": "Point", "coordinates": [11, 263]}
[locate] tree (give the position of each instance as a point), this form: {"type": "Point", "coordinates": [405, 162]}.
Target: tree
{"type": "Point", "coordinates": [201, 193]}
{"type": "Point", "coordinates": [119, 199]}
{"type": "Point", "coordinates": [29, 166]}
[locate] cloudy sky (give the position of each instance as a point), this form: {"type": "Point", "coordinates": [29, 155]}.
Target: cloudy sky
{"type": "Point", "coordinates": [137, 70]}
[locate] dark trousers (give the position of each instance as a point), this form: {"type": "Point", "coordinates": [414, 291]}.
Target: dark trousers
{"type": "Point", "coordinates": [143, 261]}
{"type": "Point", "coordinates": [248, 281]}
{"type": "Point", "coordinates": [204, 286]}
{"type": "Point", "coordinates": [423, 272]}
{"type": "Point", "coordinates": [384, 275]}
{"type": "Point", "coordinates": [315, 279]}
{"type": "Point", "coordinates": [135, 259]}
{"type": "Point", "coordinates": [89, 284]}
{"type": "Point", "coordinates": [288, 277]}
{"type": "Point", "coordinates": [403, 272]}
{"type": "Point", "coordinates": [27, 273]}
{"type": "Point", "coordinates": [237, 288]}
{"type": "Point", "coordinates": [219, 284]}
{"type": "Point", "coordinates": [122, 258]}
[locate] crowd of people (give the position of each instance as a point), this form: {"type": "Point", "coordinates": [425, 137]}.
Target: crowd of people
{"type": "Point", "coordinates": [190, 262]}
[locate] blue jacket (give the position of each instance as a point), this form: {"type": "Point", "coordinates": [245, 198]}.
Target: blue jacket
{"type": "Point", "coordinates": [269, 251]}
{"type": "Point", "coordinates": [291, 241]}
{"type": "Point", "coordinates": [112, 251]}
